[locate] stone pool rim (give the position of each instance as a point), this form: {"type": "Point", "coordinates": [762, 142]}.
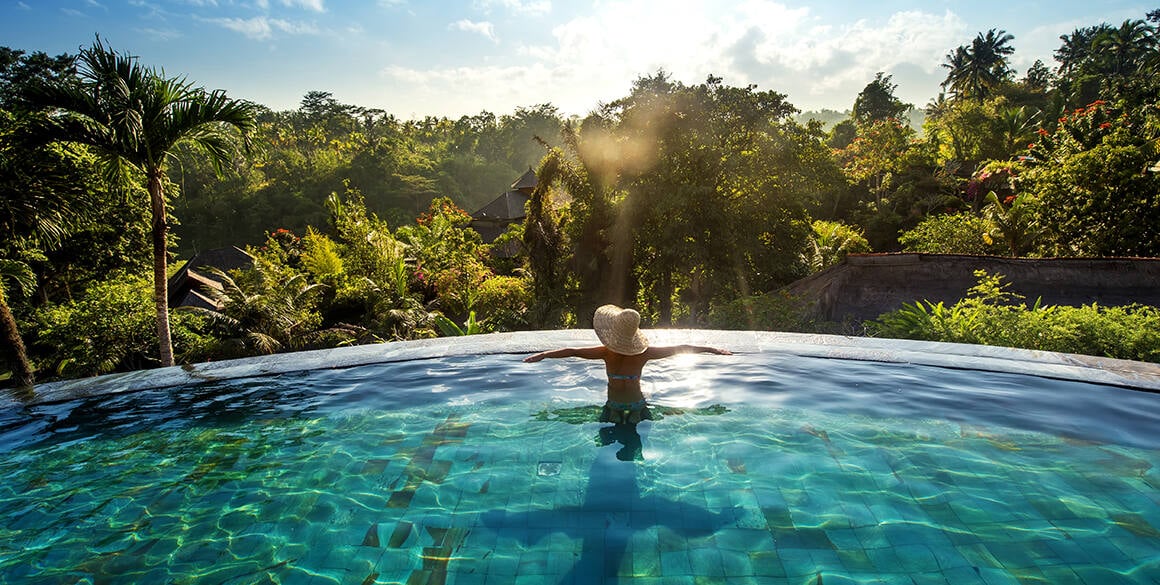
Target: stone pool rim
{"type": "Point", "coordinates": [1081, 368]}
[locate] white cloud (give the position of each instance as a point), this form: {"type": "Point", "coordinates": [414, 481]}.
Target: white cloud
{"type": "Point", "coordinates": [489, 88]}
{"type": "Point", "coordinates": [848, 57]}
{"type": "Point", "coordinates": [255, 28]}
{"type": "Point", "coordinates": [261, 27]}
{"type": "Point", "coordinates": [264, 5]}
{"type": "Point", "coordinates": [23, 6]}
{"type": "Point", "coordinates": [517, 6]}
{"type": "Point", "coordinates": [315, 5]}
{"type": "Point", "coordinates": [484, 28]}
{"type": "Point", "coordinates": [151, 10]}
{"type": "Point", "coordinates": [818, 61]}
{"type": "Point", "coordinates": [159, 34]}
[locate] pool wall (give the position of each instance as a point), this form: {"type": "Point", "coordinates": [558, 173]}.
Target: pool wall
{"type": "Point", "coordinates": [1114, 372]}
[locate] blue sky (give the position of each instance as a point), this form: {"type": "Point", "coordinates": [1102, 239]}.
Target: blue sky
{"type": "Point", "coordinates": [415, 58]}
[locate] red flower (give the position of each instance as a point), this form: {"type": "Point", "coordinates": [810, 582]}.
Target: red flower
{"type": "Point", "coordinates": [1105, 125]}
{"type": "Point", "coordinates": [1041, 132]}
{"type": "Point", "coordinates": [1008, 199]}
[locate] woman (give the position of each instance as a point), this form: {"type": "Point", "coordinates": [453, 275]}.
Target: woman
{"type": "Point", "coordinates": [625, 350]}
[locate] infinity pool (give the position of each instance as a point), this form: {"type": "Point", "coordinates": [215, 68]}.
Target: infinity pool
{"type": "Point", "coordinates": [768, 467]}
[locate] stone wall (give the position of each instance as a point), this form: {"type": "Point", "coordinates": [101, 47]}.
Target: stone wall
{"type": "Point", "coordinates": [866, 285]}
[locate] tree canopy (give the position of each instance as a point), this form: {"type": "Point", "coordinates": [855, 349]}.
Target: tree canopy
{"type": "Point", "coordinates": [682, 200]}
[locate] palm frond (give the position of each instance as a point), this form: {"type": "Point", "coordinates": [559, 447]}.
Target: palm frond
{"type": "Point", "coordinates": [19, 273]}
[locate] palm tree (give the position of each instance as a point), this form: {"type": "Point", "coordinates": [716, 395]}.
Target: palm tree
{"type": "Point", "coordinates": [1016, 127]}
{"type": "Point", "coordinates": [43, 197]}
{"type": "Point", "coordinates": [22, 276]}
{"type": "Point", "coordinates": [1075, 48]}
{"type": "Point", "coordinates": [136, 118]}
{"type": "Point", "coordinates": [599, 253]}
{"type": "Point", "coordinates": [957, 63]}
{"type": "Point", "coordinates": [977, 70]}
{"type": "Point", "coordinates": [1121, 52]}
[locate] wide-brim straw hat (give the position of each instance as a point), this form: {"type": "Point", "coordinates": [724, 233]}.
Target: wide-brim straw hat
{"type": "Point", "coordinates": [619, 330]}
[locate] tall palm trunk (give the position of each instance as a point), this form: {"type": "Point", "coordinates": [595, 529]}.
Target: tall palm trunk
{"type": "Point", "coordinates": [14, 345]}
{"type": "Point", "coordinates": [160, 261]}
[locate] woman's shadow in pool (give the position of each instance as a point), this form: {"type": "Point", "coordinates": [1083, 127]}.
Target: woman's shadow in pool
{"type": "Point", "coordinates": [612, 511]}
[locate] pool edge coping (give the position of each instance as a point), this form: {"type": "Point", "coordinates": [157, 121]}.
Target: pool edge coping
{"type": "Point", "coordinates": [1115, 372]}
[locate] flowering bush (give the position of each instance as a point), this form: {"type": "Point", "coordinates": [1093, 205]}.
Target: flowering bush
{"type": "Point", "coordinates": [997, 176]}
{"type": "Point", "coordinates": [285, 247]}
{"type": "Point", "coordinates": [1089, 176]}
{"type": "Point", "coordinates": [1081, 129]}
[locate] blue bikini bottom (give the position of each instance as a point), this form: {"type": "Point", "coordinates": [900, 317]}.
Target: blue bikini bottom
{"type": "Point", "coordinates": [625, 412]}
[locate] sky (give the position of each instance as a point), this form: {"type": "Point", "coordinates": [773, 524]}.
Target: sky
{"type": "Point", "coordinates": [417, 58]}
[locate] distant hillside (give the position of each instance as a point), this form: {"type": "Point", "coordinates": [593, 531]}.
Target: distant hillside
{"type": "Point", "coordinates": [829, 118]}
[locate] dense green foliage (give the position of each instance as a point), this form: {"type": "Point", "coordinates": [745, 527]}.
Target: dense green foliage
{"type": "Point", "coordinates": [672, 206]}
{"type": "Point", "coordinates": [832, 241]}
{"type": "Point", "coordinates": [956, 233]}
{"type": "Point", "coordinates": [110, 329]}
{"type": "Point", "coordinates": [769, 312]}
{"type": "Point", "coordinates": [693, 203]}
{"type": "Point", "coordinates": [303, 156]}
{"type": "Point", "coordinates": [991, 315]}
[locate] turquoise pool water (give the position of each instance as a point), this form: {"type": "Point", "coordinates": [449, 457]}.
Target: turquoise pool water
{"type": "Point", "coordinates": [766, 468]}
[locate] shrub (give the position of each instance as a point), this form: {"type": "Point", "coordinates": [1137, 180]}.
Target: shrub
{"type": "Point", "coordinates": [113, 328]}
{"type": "Point", "coordinates": [990, 315]}
{"type": "Point", "coordinates": [832, 241]}
{"type": "Point", "coordinates": [503, 302]}
{"type": "Point", "coordinates": [959, 233]}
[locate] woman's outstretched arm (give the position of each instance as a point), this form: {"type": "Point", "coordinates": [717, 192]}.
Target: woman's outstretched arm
{"type": "Point", "coordinates": [588, 353]}
{"type": "Point", "coordinates": [664, 352]}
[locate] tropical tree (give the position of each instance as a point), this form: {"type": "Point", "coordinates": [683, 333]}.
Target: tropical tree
{"type": "Point", "coordinates": [1120, 53]}
{"type": "Point", "coordinates": [544, 238]}
{"type": "Point", "coordinates": [1075, 48]}
{"type": "Point", "coordinates": [975, 71]}
{"type": "Point", "coordinates": [266, 309]}
{"type": "Point", "coordinates": [877, 101]}
{"type": "Point", "coordinates": [136, 118]}
{"type": "Point", "coordinates": [701, 219]}
{"type": "Point", "coordinates": [19, 69]}
{"type": "Point", "coordinates": [21, 275]}
{"type": "Point", "coordinates": [569, 250]}
{"type": "Point", "coordinates": [45, 194]}
{"type": "Point", "coordinates": [965, 133]}
{"type": "Point", "coordinates": [1015, 128]}
{"type": "Point", "coordinates": [1109, 62]}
